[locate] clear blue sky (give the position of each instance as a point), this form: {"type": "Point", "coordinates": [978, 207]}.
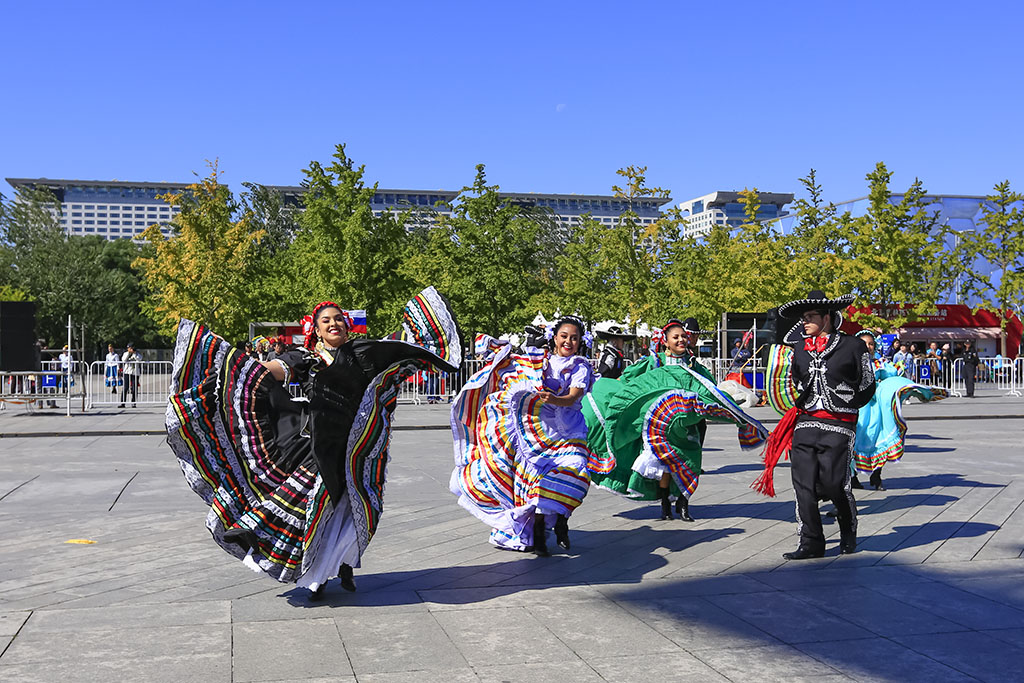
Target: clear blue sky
{"type": "Point", "coordinates": [552, 96]}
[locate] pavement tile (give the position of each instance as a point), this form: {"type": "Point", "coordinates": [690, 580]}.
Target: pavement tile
{"type": "Point", "coordinates": [695, 624]}
{"type": "Point", "coordinates": [441, 599]}
{"type": "Point", "coordinates": [131, 644]}
{"type": "Point", "coordinates": [492, 636]}
{"type": "Point", "coordinates": [881, 660]}
{"type": "Point", "coordinates": [787, 618]}
{"type": "Point", "coordinates": [770, 663]}
{"type": "Point", "coordinates": [971, 652]}
{"type": "Point", "coordinates": [410, 641]}
{"type": "Point", "coordinates": [10, 622]}
{"type": "Point", "coordinates": [674, 666]}
{"type": "Point", "coordinates": [123, 617]}
{"type": "Point", "coordinates": [593, 629]}
{"type": "Point", "coordinates": [275, 650]}
{"type": "Point", "coordinates": [1013, 636]}
{"type": "Point", "coordinates": [874, 611]}
{"type": "Point", "coordinates": [446, 676]}
{"type": "Point", "coordinates": [547, 672]}
{"type": "Point", "coordinates": [206, 667]}
{"type": "Point", "coordinates": [958, 606]}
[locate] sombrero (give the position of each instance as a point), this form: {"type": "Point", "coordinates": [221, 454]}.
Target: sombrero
{"type": "Point", "coordinates": [615, 331]}
{"type": "Point", "coordinates": [814, 301]}
{"type": "Point", "coordinates": [689, 325]}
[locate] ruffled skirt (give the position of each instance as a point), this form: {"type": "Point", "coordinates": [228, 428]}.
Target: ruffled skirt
{"type": "Point", "coordinates": [515, 456]}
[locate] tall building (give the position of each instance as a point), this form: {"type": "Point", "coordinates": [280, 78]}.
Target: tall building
{"type": "Point", "coordinates": [115, 209]}
{"type": "Point", "coordinates": [109, 209]}
{"type": "Point", "coordinates": [570, 208]}
{"type": "Point", "coordinates": [425, 204]}
{"type": "Point", "coordinates": [724, 208]}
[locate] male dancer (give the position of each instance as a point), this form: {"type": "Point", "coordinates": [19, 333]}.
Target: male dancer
{"type": "Point", "coordinates": [613, 360]}
{"type": "Point", "coordinates": [834, 375]}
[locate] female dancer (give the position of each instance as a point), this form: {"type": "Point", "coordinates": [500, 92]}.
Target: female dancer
{"type": "Point", "coordinates": [521, 459]}
{"type": "Point", "coordinates": [296, 487]}
{"type": "Point", "coordinates": [653, 419]}
{"type": "Point", "coordinates": [881, 429]}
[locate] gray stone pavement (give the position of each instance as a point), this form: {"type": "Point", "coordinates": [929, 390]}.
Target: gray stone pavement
{"type": "Point", "coordinates": [934, 593]}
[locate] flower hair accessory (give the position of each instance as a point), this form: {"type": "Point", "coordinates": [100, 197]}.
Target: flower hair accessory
{"type": "Point", "coordinates": [586, 338]}
{"type": "Point", "coordinates": [657, 340]}
{"type": "Point", "coordinates": [309, 322]}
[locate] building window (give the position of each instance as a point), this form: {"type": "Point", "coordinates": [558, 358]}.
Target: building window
{"type": "Point", "coordinates": [115, 222]}
{"type": "Point", "coordinates": [140, 222]}
{"type": "Point", "coordinates": [76, 222]}
{"type": "Point", "coordinates": [101, 222]}
{"type": "Point", "coordinates": [89, 222]}
{"type": "Point", "coordinates": [101, 215]}
{"type": "Point", "coordinates": [76, 214]}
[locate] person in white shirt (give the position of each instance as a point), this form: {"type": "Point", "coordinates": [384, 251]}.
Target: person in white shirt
{"type": "Point", "coordinates": [130, 362]}
{"type": "Point", "coordinates": [112, 367]}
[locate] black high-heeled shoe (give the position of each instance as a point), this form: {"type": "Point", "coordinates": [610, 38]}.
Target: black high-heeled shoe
{"type": "Point", "coordinates": [683, 509]}
{"type": "Point", "coordinates": [345, 573]}
{"type": "Point", "coordinates": [666, 504]}
{"type": "Point", "coordinates": [876, 479]}
{"type": "Point", "coordinates": [540, 541]}
{"type": "Point", "coordinates": [562, 531]}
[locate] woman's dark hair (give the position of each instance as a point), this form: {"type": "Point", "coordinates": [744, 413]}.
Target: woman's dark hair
{"type": "Point", "coordinates": [584, 348]}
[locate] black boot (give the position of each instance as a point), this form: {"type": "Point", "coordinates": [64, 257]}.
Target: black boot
{"type": "Point", "coordinates": [803, 553]}
{"type": "Point", "coordinates": [855, 483]}
{"type": "Point", "coordinates": [562, 531]}
{"type": "Point", "coordinates": [666, 504]}
{"type": "Point", "coordinates": [683, 508]}
{"type": "Point", "coordinates": [540, 541]}
{"type": "Point", "coordinates": [346, 576]}
{"type": "Point", "coordinates": [876, 479]}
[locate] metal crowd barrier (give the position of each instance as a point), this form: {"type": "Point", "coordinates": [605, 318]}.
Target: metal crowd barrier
{"type": "Point", "coordinates": [1000, 374]}
{"type": "Point", "coordinates": [152, 380]}
{"type": "Point", "coordinates": [40, 388]}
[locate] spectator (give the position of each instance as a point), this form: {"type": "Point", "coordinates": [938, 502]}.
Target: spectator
{"type": "Point", "coordinates": [971, 361]}
{"type": "Point", "coordinates": [131, 370]}
{"type": "Point", "coordinates": [66, 360]}
{"type": "Point", "coordinates": [946, 363]}
{"type": "Point", "coordinates": [112, 366]}
{"type": "Point", "coordinates": [277, 347]}
{"type": "Point", "coordinates": [904, 360]}
{"type": "Point", "coordinates": [740, 356]}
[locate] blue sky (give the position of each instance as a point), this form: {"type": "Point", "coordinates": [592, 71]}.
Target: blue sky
{"type": "Point", "coordinates": [552, 97]}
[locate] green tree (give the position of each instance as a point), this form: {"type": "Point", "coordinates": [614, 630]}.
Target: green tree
{"type": "Point", "coordinates": [205, 269]}
{"type": "Point", "coordinates": [817, 246]}
{"type": "Point", "coordinates": [490, 257]}
{"type": "Point", "coordinates": [896, 259]}
{"type": "Point", "coordinates": [342, 252]}
{"type": "Point", "coordinates": [1001, 244]}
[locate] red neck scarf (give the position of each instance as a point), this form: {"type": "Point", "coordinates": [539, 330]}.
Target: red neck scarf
{"type": "Point", "coordinates": [816, 343]}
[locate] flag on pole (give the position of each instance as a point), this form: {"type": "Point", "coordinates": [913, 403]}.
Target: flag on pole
{"type": "Point", "coordinates": [747, 337]}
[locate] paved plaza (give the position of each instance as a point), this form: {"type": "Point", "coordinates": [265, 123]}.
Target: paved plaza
{"type": "Point", "coordinates": [934, 593]}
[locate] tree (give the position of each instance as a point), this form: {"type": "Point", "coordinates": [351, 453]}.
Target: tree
{"type": "Point", "coordinates": [896, 260]}
{"type": "Point", "coordinates": [204, 270]}
{"type": "Point", "coordinates": [342, 252]}
{"type": "Point", "coordinates": [816, 246]}
{"type": "Point", "coordinates": [1001, 244]}
{"type": "Point", "coordinates": [490, 257]}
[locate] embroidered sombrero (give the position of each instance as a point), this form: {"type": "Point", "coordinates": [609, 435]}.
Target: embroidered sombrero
{"type": "Point", "coordinates": [615, 331]}
{"type": "Point", "coordinates": [815, 301]}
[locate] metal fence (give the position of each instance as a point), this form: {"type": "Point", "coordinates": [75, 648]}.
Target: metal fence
{"type": "Point", "coordinates": [103, 384]}
{"type": "Point", "coordinates": [1000, 374]}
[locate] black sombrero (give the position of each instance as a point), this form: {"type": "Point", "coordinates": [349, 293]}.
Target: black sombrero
{"type": "Point", "coordinates": [689, 325]}
{"type": "Point", "coordinates": [815, 301]}
{"type": "Point", "coordinates": [615, 331]}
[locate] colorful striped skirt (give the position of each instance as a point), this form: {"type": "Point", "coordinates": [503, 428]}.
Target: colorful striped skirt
{"type": "Point", "coordinates": [515, 456]}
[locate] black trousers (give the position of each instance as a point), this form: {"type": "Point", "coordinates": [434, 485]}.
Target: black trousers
{"type": "Point", "coordinates": [969, 371]}
{"type": "Point", "coordinates": [822, 456]}
{"type": "Point", "coordinates": [131, 385]}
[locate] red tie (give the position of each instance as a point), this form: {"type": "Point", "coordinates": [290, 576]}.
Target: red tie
{"type": "Point", "coordinates": [816, 343]}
